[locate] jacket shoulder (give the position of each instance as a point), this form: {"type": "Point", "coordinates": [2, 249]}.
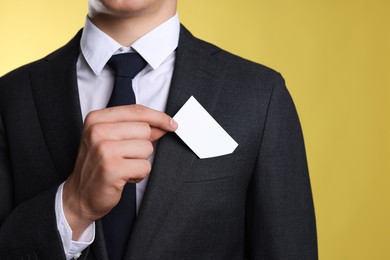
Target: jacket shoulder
{"type": "Point", "coordinates": [17, 82]}
{"type": "Point", "coordinates": [21, 73]}
{"type": "Point", "coordinates": [233, 64]}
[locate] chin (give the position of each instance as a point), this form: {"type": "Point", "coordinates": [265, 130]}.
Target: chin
{"type": "Point", "coordinates": [122, 7]}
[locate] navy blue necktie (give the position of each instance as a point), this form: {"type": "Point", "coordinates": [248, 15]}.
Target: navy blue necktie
{"type": "Point", "coordinates": [117, 224]}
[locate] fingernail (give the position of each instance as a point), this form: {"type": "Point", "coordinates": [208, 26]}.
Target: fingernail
{"type": "Point", "coordinates": [173, 124]}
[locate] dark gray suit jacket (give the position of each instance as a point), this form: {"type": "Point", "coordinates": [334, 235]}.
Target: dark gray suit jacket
{"type": "Point", "coordinates": [255, 203]}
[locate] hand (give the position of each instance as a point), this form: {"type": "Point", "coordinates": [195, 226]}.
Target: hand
{"type": "Point", "coordinates": [115, 145]}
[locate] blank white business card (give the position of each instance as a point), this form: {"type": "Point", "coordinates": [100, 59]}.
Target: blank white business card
{"type": "Point", "coordinates": [199, 130]}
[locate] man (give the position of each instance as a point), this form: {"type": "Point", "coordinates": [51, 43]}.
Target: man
{"type": "Point", "coordinates": [62, 179]}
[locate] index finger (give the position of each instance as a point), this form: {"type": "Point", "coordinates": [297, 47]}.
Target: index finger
{"type": "Point", "coordinates": [132, 113]}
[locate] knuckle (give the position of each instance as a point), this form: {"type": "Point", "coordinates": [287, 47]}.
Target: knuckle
{"type": "Point", "coordinates": [91, 117]}
{"type": "Point", "coordinates": [138, 109]}
{"type": "Point", "coordinates": [149, 148]}
{"type": "Point", "coordinates": [103, 149]}
{"type": "Point", "coordinates": [144, 148]}
{"type": "Point", "coordinates": [108, 164]}
{"type": "Point", "coordinates": [144, 169]}
{"type": "Point", "coordinates": [146, 130]}
{"type": "Point", "coordinates": [140, 169]}
{"type": "Point", "coordinates": [147, 167]}
{"type": "Point", "coordinates": [105, 167]}
{"type": "Point", "coordinates": [95, 133]}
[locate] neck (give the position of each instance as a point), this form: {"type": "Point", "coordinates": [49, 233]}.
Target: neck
{"type": "Point", "coordinates": [127, 29]}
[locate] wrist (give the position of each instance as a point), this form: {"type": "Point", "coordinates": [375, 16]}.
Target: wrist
{"type": "Point", "coordinates": [76, 217]}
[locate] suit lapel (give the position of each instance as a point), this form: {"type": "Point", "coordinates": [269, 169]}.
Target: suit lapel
{"type": "Point", "coordinates": [195, 75]}
{"type": "Point", "coordinates": [54, 88]}
{"type": "Point", "coordinates": [55, 92]}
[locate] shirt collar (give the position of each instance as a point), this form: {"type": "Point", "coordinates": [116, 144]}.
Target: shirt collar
{"type": "Point", "coordinates": [155, 46]}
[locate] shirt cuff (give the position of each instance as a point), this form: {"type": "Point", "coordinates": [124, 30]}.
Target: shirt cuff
{"type": "Point", "coordinates": [72, 248]}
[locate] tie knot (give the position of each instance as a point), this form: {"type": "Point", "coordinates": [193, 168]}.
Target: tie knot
{"type": "Point", "coordinates": [127, 64]}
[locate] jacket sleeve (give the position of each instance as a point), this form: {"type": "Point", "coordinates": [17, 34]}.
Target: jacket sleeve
{"type": "Point", "coordinates": [280, 220]}
{"type": "Point", "coordinates": [29, 231]}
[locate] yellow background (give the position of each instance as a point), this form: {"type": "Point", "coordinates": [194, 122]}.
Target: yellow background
{"type": "Point", "coordinates": [335, 56]}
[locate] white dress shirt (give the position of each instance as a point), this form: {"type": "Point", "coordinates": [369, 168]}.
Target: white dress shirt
{"type": "Point", "coordinates": [95, 82]}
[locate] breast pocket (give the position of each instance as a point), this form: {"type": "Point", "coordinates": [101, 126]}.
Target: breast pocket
{"type": "Point", "coordinates": [221, 167]}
